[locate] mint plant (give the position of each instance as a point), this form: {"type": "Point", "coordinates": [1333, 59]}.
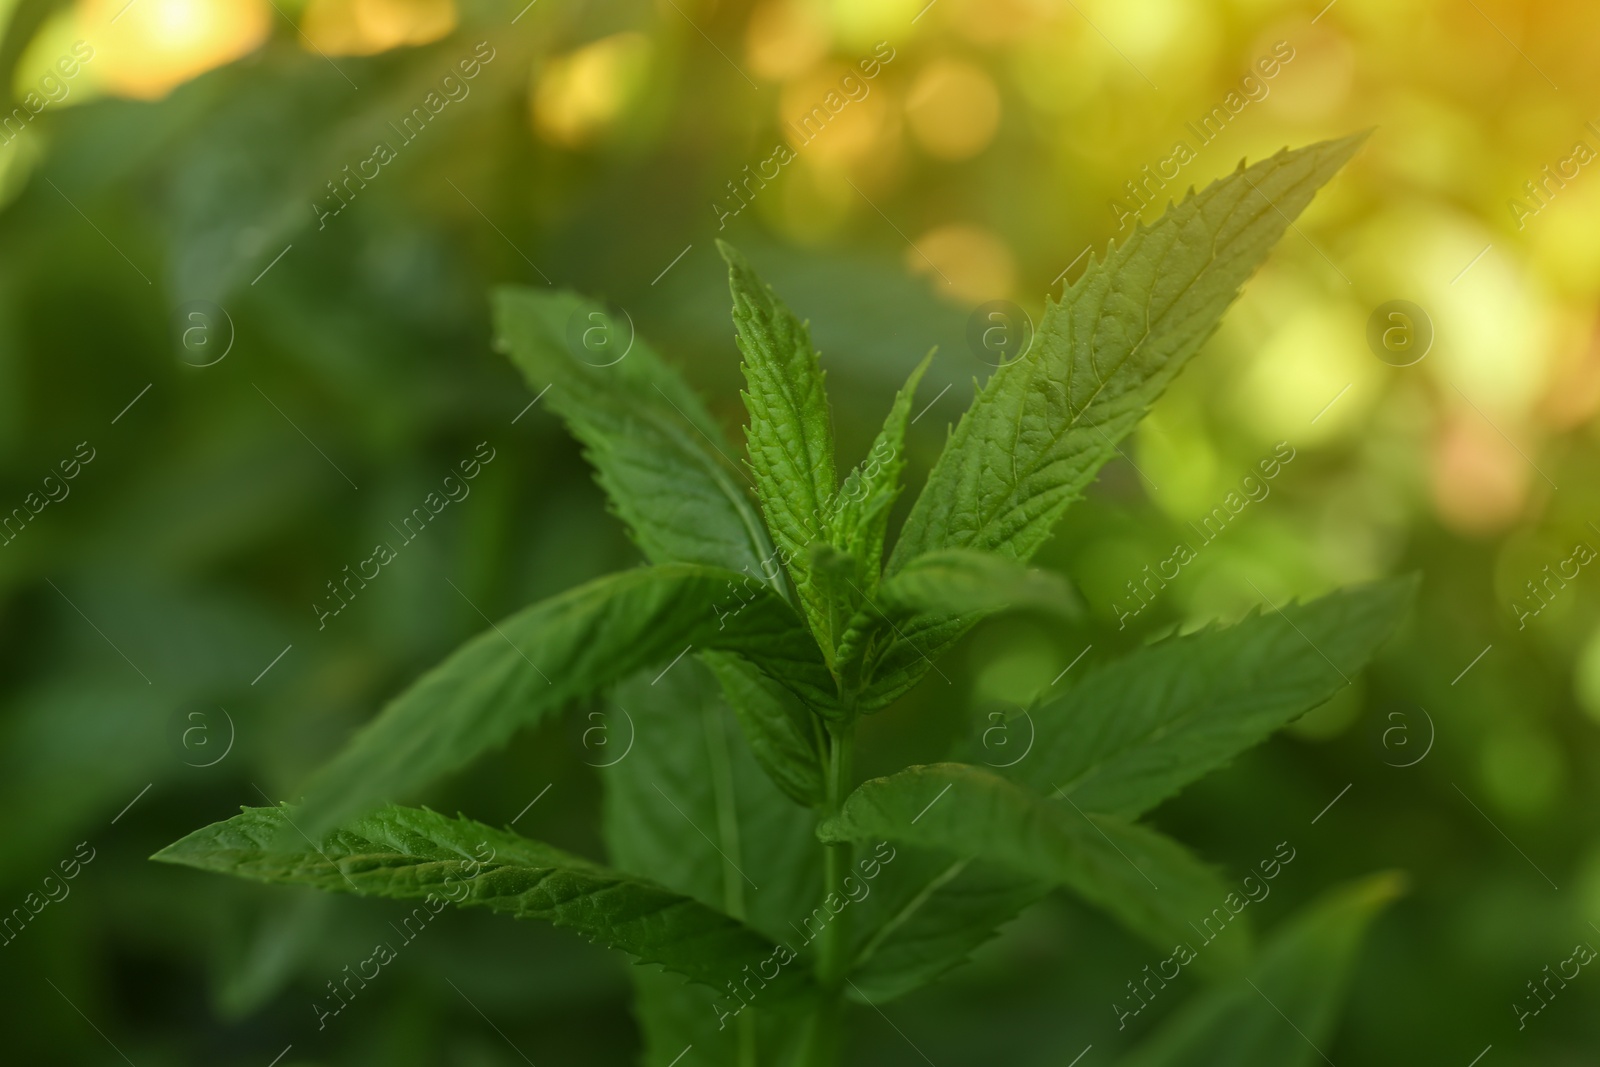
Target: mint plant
{"type": "Point", "coordinates": [770, 891]}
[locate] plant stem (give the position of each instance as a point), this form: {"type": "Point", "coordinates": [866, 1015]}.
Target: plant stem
{"type": "Point", "coordinates": [821, 1046]}
{"type": "Point", "coordinates": [728, 833]}
{"type": "Point", "coordinates": [833, 948]}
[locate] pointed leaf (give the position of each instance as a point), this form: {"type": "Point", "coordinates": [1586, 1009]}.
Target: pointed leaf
{"type": "Point", "coordinates": [1283, 1013]}
{"type": "Point", "coordinates": [790, 432]}
{"type": "Point", "coordinates": [661, 458]}
{"type": "Point", "coordinates": [860, 514]}
{"type": "Point", "coordinates": [1149, 882]}
{"type": "Point", "coordinates": [1047, 421]}
{"type": "Point", "coordinates": [1134, 732]}
{"type": "Point", "coordinates": [546, 656]}
{"type": "Point", "coordinates": [416, 854]}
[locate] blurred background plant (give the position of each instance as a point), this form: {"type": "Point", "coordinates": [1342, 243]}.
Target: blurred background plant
{"type": "Point", "coordinates": [174, 174]}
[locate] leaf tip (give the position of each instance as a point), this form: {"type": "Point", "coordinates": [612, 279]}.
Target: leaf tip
{"type": "Point", "coordinates": [731, 256]}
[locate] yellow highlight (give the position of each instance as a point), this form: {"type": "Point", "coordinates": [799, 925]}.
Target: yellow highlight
{"type": "Point", "coordinates": [577, 96]}
{"type": "Point", "coordinates": [1480, 481]}
{"type": "Point", "coordinates": [366, 27]}
{"type": "Point", "coordinates": [784, 39]}
{"type": "Point", "coordinates": [954, 109]}
{"type": "Point", "coordinates": [968, 264]}
{"type": "Point", "coordinates": [1309, 369]}
{"type": "Point", "coordinates": [835, 115]}
{"type": "Point", "coordinates": [859, 23]}
{"type": "Point", "coordinates": [154, 46]}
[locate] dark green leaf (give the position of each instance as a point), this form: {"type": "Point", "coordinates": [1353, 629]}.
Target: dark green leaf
{"type": "Point", "coordinates": [781, 732]}
{"type": "Point", "coordinates": [1137, 730]}
{"type": "Point", "coordinates": [546, 656]}
{"type": "Point", "coordinates": [689, 808]}
{"type": "Point", "coordinates": [671, 476]}
{"type": "Point", "coordinates": [926, 914]}
{"type": "Point", "coordinates": [661, 458]}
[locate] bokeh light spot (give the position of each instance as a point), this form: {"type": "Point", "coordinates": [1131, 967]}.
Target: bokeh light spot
{"type": "Point", "coordinates": [954, 109]}
{"type": "Point", "coordinates": [157, 45]}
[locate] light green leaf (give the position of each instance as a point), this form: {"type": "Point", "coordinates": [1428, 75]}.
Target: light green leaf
{"type": "Point", "coordinates": [790, 432]}
{"type": "Point", "coordinates": [925, 916]}
{"type": "Point", "coordinates": [689, 808]}
{"type": "Point", "coordinates": [1283, 1013]}
{"type": "Point", "coordinates": [1149, 882]}
{"type": "Point", "coordinates": [1137, 730]}
{"type": "Point", "coordinates": [859, 518]}
{"type": "Point", "coordinates": [1047, 421]}
{"type": "Point", "coordinates": [661, 458]}
{"type": "Point", "coordinates": [893, 641]}
{"type": "Point", "coordinates": [547, 655]}
{"type": "Point", "coordinates": [416, 854]}
{"type": "Point", "coordinates": [781, 732]}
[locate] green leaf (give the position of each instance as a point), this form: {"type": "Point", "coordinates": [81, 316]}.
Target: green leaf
{"type": "Point", "coordinates": [790, 432]}
{"type": "Point", "coordinates": [1149, 882]}
{"type": "Point", "coordinates": [859, 519]}
{"type": "Point", "coordinates": [894, 640]}
{"type": "Point", "coordinates": [1134, 732]}
{"type": "Point", "coordinates": [962, 582]}
{"type": "Point", "coordinates": [689, 808]}
{"type": "Point", "coordinates": [1047, 421]}
{"type": "Point", "coordinates": [781, 732]}
{"type": "Point", "coordinates": [416, 854]}
{"type": "Point", "coordinates": [925, 916]}
{"type": "Point", "coordinates": [1282, 1014]}
{"type": "Point", "coordinates": [661, 458]}
{"type": "Point", "coordinates": [546, 656]}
